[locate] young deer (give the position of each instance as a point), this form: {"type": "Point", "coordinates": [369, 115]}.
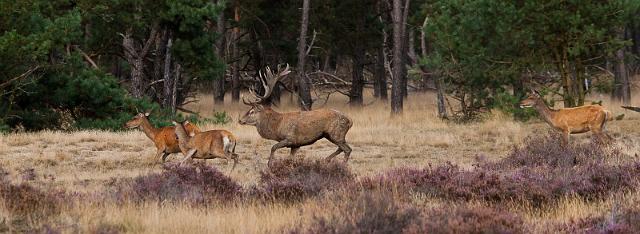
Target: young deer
{"type": "Point", "coordinates": [164, 138]}
{"type": "Point", "coordinates": [295, 129]}
{"type": "Point", "coordinates": [206, 145]}
{"type": "Point", "coordinates": [571, 120]}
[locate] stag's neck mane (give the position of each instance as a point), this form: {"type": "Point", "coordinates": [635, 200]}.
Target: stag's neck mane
{"type": "Point", "coordinates": [269, 123]}
{"type": "Point", "coordinates": [148, 129]}
{"type": "Point", "coordinates": [545, 112]}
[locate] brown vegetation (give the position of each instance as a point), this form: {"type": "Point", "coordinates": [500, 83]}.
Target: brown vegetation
{"type": "Point", "coordinates": [109, 181]}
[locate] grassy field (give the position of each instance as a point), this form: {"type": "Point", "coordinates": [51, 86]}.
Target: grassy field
{"type": "Point", "coordinates": [87, 162]}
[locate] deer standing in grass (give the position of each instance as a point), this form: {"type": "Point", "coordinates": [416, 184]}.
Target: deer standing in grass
{"type": "Point", "coordinates": [571, 120]}
{"type": "Point", "coordinates": [294, 129]}
{"type": "Point", "coordinates": [206, 145]}
{"type": "Point", "coordinates": [164, 138]}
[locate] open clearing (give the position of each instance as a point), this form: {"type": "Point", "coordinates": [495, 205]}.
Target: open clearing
{"type": "Point", "coordinates": [86, 161]}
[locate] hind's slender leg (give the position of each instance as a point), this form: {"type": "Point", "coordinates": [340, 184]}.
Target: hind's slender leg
{"type": "Point", "coordinates": [190, 154]}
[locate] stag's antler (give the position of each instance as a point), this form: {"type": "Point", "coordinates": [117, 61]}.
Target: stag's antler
{"type": "Point", "coordinates": [268, 79]}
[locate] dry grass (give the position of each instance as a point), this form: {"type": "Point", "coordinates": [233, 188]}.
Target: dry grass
{"type": "Point", "coordinates": [86, 161]}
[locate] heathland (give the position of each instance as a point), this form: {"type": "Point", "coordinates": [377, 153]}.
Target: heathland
{"type": "Point", "coordinates": [412, 173]}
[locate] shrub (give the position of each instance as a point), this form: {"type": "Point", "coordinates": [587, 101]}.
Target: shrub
{"type": "Point", "coordinates": [537, 173]}
{"type": "Point", "coordinates": [465, 219]}
{"type": "Point", "coordinates": [547, 151]}
{"type": "Point", "coordinates": [294, 179]}
{"type": "Point", "coordinates": [24, 200]}
{"type": "Point", "coordinates": [199, 185]}
{"type": "Point", "coordinates": [365, 213]}
{"type": "Point", "coordinates": [626, 221]}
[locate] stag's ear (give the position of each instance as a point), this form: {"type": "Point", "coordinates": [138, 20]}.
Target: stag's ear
{"type": "Point", "coordinates": [259, 107]}
{"type": "Point", "coordinates": [192, 134]}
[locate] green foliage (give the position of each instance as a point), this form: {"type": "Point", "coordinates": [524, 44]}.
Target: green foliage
{"type": "Point", "coordinates": [508, 103]}
{"type": "Point", "coordinates": [46, 81]}
{"type": "Point", "coordinates": [485, 47]}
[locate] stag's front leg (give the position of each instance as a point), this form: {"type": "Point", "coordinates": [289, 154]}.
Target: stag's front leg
{"type": "Point", "coordinates": [281, 144]}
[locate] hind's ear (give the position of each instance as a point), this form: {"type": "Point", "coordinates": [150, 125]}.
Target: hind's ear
{"type": "Point", "coordinates": [192, 134]}
{"type": "Point", "coordinates": [147, 114]}
{"type": "Point", "coordinates": [185, 122]}
{"type": "Point", "coordinates": [174, 122]}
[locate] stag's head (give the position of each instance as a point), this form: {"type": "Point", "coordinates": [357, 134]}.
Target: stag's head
{"type": "Point", "coordinates": [531, 100]}
{"type": "Point", "coordinates": [137, 120]}
{"type": "Point", "coordinates": [268, 79]}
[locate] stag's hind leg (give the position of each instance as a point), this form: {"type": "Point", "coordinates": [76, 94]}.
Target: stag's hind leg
{"type": "Point", "coordinates": [342, 147]}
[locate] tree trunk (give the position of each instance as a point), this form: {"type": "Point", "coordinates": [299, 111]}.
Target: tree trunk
{"type": "Point", "coordinates": [357, 81]}
{"type": "Point", "coordinates": [398, 65]}
{"type": "Point", "coordinates": [136, 57]}
{"type": "Point", "coordinates": [380, 82]}
{"type": "Point", "coordinates": [235, 79]}
{"type": "Point", "coordinates": [568, 92]}
{"type": "Point", "coordinates": [218, 83]}
{"type": "Point", "coordinates": [405, 49]}
{"type": "Point", "coordinates": [174, 93]}
{"type": "Point", "coordinates": [622, 90]}
{"type": "Point", "coordinates": [304, 84]}
{"type": "Point", "coordinates": [168, 78]}
{"type": "Point", "coordinates": [137, 65]}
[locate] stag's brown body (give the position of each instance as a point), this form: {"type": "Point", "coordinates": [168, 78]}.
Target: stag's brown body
{"type": "Point", "coordinates": [571, 120]}
{"type": "Point", "coordinates": [207, 145]}
{"type": "Point", "coordinates": [164, 138]}
{"type": "Point", "coordinates": [295, 129]}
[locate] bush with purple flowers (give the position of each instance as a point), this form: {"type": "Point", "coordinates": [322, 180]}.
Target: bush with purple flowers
{"type": "Point", "coordinates": [295, 179]}
{"type": "Point", "coordinates": [198, 185]}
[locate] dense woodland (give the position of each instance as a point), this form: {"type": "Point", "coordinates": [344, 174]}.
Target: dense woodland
{"type": "Point", "coordinates": [72, 64]}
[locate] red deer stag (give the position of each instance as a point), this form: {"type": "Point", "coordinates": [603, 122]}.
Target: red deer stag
{"type": "Point", "coordinates": [571, 120]}
{"type": "Point", "coordinates": [206, 145]}
{"type": "Point", "coordinates": [164, 138]}
{"type": "Point", "coordinates": [294, 129]}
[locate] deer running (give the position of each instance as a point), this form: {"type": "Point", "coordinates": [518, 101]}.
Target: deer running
{"type": "Point", "coordinates": [206, 145]}
{"type": "Point", "coordinates": [164, 138]}
{"type": "Point", "coordinates": [571, 120]}
{"type": "Point", "coordinates": [294, 129]}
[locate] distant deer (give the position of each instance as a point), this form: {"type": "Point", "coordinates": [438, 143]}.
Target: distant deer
{"type": "Point", "coordinates": [206, 145]}
{"type": "Point", "coordinates": [294, 129]}
{"type": "Point", "coordinates": [164, 138]}
{"type": "Point", "coordinates": [571, 120]}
